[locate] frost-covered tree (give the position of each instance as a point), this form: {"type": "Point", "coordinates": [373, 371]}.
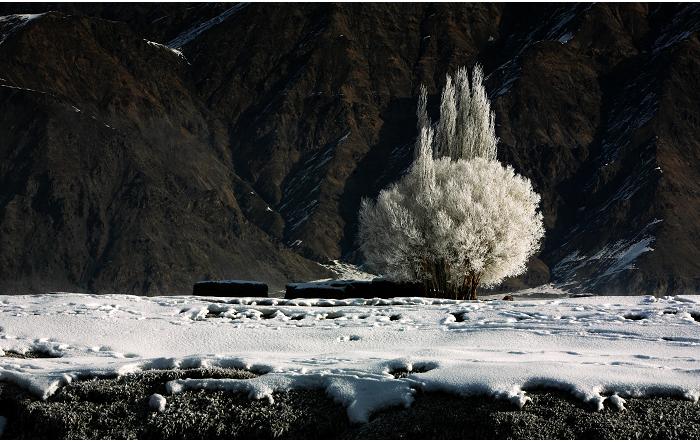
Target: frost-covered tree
{"type": "Point", "coordinates": [422, 109]}
{"type": "Point", "coordinates": [458, 219]}
{"type": "Point", "coordinates": [447, 125]}
{"type": "Point", "coordinates": [466, 128]}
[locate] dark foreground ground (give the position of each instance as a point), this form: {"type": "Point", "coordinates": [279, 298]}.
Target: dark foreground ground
{"type": "Point", "coordinates": [118, 409]}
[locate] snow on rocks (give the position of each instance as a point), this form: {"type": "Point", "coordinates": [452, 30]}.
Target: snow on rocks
{"type": "Point", "coordinates": [167, 48]}
{"type": "Point", "coordinates": [13, 22]}
{"type": "Point", "coordinates": [344, 270]}
{"type": "Point", "coordinates": [617, 402]}
{"type": "Point", "coordinates": [360, 394]}
{"type": "Point", "coordinates": [195, 31]}
{"type": "Point", "coordinates": [366, 353]}
{"type": "Point", "coordinates": [157, 402]}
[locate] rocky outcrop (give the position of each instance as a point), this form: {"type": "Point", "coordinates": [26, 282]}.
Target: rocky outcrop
{"type": "Point", "coordinates": [114, 176]}
{"type": "Point", "coordinates": [128, 166]}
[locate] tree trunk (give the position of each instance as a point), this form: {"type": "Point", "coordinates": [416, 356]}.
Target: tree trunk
{"type": "Point", "coordinates": [441, 279]}
{"type": "Point", "coordinates": [474, 284]}
{"type": "Point", "coordinates": [472, 292]}
{"type": "Point", "coordinates": [464, 289]}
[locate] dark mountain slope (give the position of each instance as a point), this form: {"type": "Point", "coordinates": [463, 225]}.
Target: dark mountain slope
{"type": "Point", "coordinates": [311, 107]}
{"type": "Point", "coordinates": [123, 181]}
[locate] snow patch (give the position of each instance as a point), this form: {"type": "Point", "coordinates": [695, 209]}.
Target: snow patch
{"type": "Point", "coordinates": [195, 31]}
{"type": "Point", "coordinates": [11, 23]}
{"type": "Point", "coordinates": [157, 402]}
{"type": "Point", "coordinates": [350, 347]}
{"type": "Point", "coordinates": [684, 24]}
{"type": "Point", "coordinates": [167, 48]}
{"type": "Point", "coordinates": [556, 27]}
{"type": "Point", "coordinates": [23, 17]}
{"type": "Point", "coordinates": [21, 88]}
{"type": "Point", "coordinates": [347, 271]}
{"type": "Point", "coordinates": [609, 260]}
{"type": "Point", "coordinates": [361, 393]}
{"type": "Point", "coordinates": [617, 402]}
{"type": "Point", "coordinates": [301, 192]}
{"type": "Point", "coordinates": [624, 259]}
{"type": "Point", "coordinates": [543, 290]}
{"type": "Point", "coordinates": [564, 39]}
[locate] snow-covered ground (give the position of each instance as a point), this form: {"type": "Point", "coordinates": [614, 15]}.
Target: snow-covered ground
{"type": "Point", "coordinates": [594, 347]}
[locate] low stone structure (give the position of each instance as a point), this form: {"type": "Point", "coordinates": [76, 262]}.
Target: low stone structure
{"type": "Point", "coordinates": [341, 289]}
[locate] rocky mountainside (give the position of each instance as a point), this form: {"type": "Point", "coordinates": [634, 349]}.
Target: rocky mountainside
{"type": "Point", "coordinates": [144, 147]}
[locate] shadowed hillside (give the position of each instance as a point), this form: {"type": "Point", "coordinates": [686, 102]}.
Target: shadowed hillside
{"type": "Point", "coordinates": [244, 149]}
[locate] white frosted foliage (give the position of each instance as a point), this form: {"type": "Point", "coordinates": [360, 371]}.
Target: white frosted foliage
{"type": "Point", "coordinates": [476, 217]}
{"type": "Point", "coordinates": [467, 125]}
{"type": "Point", "coordinates": [422, 109]}
{"type": "Point", "coordinates": [447, 126]}
{"type": "Point", "coordinates": [459, 219]}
